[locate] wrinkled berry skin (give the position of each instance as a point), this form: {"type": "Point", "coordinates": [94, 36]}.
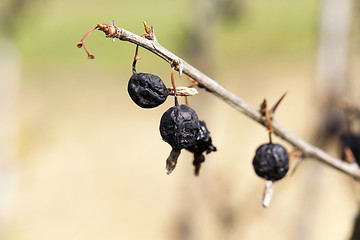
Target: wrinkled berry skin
{"type": "Point", "coordinates": [147, 90]}
{"type": "Point", "coordinates": [353, 142]}
{"type": "Point", "coordinates": [202, 144]}
{"type": "Point", "coordinates": [271, 162]}
{"type": "Point", "coordinates": [179, 126]}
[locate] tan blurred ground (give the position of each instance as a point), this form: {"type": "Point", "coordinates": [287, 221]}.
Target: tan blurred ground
{"type": "Point", "coordinates": [93, 166]}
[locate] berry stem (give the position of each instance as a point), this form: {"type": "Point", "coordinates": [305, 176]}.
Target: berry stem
{"type": "Point", "coordinates": [265, 111]}
{"type": "Point", "coordinates": [173, 85]}
{"type": "Point", "coordinates": [270, 138]}
{"type": "Point", "coordinates": [136, 57]}
{"type": "Point", "coordinates": [173, 80]}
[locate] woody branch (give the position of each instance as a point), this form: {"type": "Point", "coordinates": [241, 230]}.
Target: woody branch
{"type": "Point", "coordinates": [150, 43]}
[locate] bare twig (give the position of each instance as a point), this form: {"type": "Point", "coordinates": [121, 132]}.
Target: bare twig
{"type": "Point", "coordinates": [236, 102]}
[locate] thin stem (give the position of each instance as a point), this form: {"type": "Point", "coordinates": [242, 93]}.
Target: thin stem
{"type": "Point", "coordinates": [173, 81]}
{"type": "Point", "coordinates": [270, 138]}
{"type": "Point", "coordinates": [82, 44]}
{"type": "Point", "coordinates": [136, 57]}
{"type": "Point", "coordinates": [173, 85]}
{"type": "Point", "coordinates": [268, 123]}
{"type": "Point", "coordinates": [87, 34]}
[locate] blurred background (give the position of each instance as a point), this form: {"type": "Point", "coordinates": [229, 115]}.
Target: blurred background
{"type": "Point", "coordinates": [79, 160]}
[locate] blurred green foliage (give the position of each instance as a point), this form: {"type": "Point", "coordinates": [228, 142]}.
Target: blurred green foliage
{"type": "Point", "coordinates": [273, 27]}
{"type": "Point", "coordinates": [47, 31]}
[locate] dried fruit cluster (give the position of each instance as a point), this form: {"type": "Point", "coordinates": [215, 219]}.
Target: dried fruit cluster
{"type": "Point", "coordinates": [179, 125]}
{"type": "Point", "coordinates": [181, 128]}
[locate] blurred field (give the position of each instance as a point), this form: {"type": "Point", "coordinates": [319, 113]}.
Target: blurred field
{"type": "Point", "coordinates": [90, 163]}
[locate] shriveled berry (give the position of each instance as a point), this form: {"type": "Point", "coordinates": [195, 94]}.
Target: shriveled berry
{"type": "Point", "coordinates": [271, 161]}
{"type": "Point", "coordinates": [202, 144]}
{"type": "Point", "coordinates": [147, 90]}
{"type": "Point", "coordinates": [179, 126]}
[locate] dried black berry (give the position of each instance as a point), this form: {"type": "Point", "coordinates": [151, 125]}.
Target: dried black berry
{"type": "Point", "coordinates": [353, 142]}
{"type": "Point", "coordinates": [202, 144]}
{"type": "Point", "coordinates": [271, 161]}
{"type": "Point", "coordinates": [179, 126]}
{"type": "Point", "coordinates": [147, 90]}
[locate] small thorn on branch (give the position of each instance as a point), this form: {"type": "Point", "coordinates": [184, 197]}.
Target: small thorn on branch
{"type": "Point", "coordinates": [273, 109]}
